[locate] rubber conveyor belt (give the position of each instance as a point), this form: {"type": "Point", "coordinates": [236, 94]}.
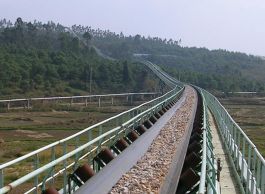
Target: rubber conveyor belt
{"type": "Point", "coordinates": [106, 178]}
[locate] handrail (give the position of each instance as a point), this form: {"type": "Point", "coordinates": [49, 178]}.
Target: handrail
{"type": "Point", "coordinates": [162, 75]}
{"type": "Point", "coordinates": [203, 165]}
{"type": "Point", "coordinates": [169, 80]}
{"type": "Point", "coordinates": [236, 125]}
{"type": "Point", "coordinates": [74, 97]}
{"type": "Point", "coordinates": [72, 153]}
{"type": "Point", "coordinates": [124, 122]}
{"type": "Point", "coordinates": [247, 160]}
{"type": "Point", "coordinates": [250, 164]}
{"type": "Point", "coordinates": [79, 133]}
{"type": "Point", "coordinates": [204, 152]}
{"type": "Point", "coordinates": [208, 175]}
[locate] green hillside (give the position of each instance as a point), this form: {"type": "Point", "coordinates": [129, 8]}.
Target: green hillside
{"type": "Point", "coordinates": [44, 60]}
{"type": "Point", "coordinates": [38, 59]}
{"type": "Point", "coordinates": [211, 69]}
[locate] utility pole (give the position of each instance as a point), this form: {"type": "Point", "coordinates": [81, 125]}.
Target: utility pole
{"type": "Point", "coordinates": [90, 82]}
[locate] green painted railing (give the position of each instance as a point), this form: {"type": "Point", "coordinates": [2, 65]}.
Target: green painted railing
{"type": "Point", "coordinates": [81, 146]}
{"type": "Point", "coordinates": [27, 102]}
{"type": "Point", "coordinates": [208, 174]}
{"type": "Point", "coordinates": [248, 163]}
{"type": "Point", "coordinates": [170, 81]}
{"type": "Point", "coordinates": [66, 155]}
{"type": "Point", "coordinates": [53, 163]}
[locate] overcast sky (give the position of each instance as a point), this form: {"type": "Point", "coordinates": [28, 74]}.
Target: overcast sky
{"type": "Point", "coordinates": [237, 25]}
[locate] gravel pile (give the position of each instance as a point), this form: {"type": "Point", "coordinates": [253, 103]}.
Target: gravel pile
{"type": "Point", "coordinates": [150, 171]}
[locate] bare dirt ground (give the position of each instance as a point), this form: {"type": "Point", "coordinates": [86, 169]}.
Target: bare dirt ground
{"type": "Point", "coordinates": [249, 113]}
{"type": "Point", "coordinates": [24, 131]}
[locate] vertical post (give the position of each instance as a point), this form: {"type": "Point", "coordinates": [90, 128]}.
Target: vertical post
{"type": "Point", "coordinates": [254, 170]}
{"type": "Point", "coordinates": [243, 158]}
{"type": "Point", "coordinates": [28, 105]}
{"type": "Point", "coordinates": [99, 145]}
{"type": "Point", "coordinates": [234, 147]}
{"type": "Point", "coordinates": [262, 187]}
{"type": "Point", "coordinates": [127, 98]}
{"type": "Point", "coordinates": [252, 184]}
{"type": "Point", "coordinates": [254, 163]}
{"type": "Point", "coordinates": [131, 99]}
{"type": "Point", "coordinates": [52, 159]}
{"type": "Point", "coordinates": [86, 102]}
{"type": "Point", "coordinates": [72, 101]}
{"type": "Point", "coordinates": [1, 178]}
{"type": "Point", "coordinates": [112, 101]}
{"type": "Point", "coordinates": [89, 148]}
{"type": "Point", "coordinates": [258, 175]}
{"type": "Point", "coordinates": [8, 105]}
{"type": "Point", "coordinates": [64, 166]}
{"type": "Point", "coordinates": [100, 141]}
{"type": "Point", "coordinates": [116, 136]}
{"type": "Point", "coordinates": [77, 154]}
{"type": "Point", "coordinates": [249, 166]}
{"type": "Point", "coordinates": [99, 102]}
{"type": "Point", "coordinates": [36, 178]}
{"type": "Point", "coordinates": [90, 82]}
{"type": "Point", "coordinates": [238, 150]}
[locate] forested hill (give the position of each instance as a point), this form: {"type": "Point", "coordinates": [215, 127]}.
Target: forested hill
{"type": "Point", "coordinates": [217, 69]}
{"type": "Point", "coordinates": [214, 70]}
{"type": "Point", "coordinates": [44, 60]}
{"type": "Point", "coordinates": [47, 59]}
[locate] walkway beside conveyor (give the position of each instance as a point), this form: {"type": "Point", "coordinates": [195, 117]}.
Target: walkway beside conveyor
{"type": "Point", "coordinates": [228, 183]}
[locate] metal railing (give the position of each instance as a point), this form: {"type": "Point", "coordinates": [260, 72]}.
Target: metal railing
{"type": "Point", "coordinates": [208, 174]}
{"type": "Point", "coordinates": [169, 80]}
{"type": "Point", "coordinates": [248, 163]}
{"type": "Point", "coordinates": [46, 164]}
{"type": "Point", "coordinates": [28, 101]}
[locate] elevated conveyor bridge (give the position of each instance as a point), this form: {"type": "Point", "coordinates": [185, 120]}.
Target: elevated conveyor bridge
{"type": "Point", "coordinates": [68, 165]}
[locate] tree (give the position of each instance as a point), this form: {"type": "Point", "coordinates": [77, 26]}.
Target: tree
{"type": "Point", "coordinates": [88, 37]}
{"type": "Point", "coordinates": [19, 23]}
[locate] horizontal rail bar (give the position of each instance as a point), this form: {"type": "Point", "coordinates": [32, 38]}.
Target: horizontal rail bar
{"type": "Point", "coordinates": [78, 133]}
{"type": "Point", "coordinates": [238, 127]}
{"type": "Point", "coordinates": [74, 97]}
{"type": "Point", "coordinates": [247, 163]}
{"type": "Point", "coordinates": [79, 149]}
{"type": "Point", "coordinates": [124, 122]}
{"type": "Point", "coordinates": [208, 168]}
